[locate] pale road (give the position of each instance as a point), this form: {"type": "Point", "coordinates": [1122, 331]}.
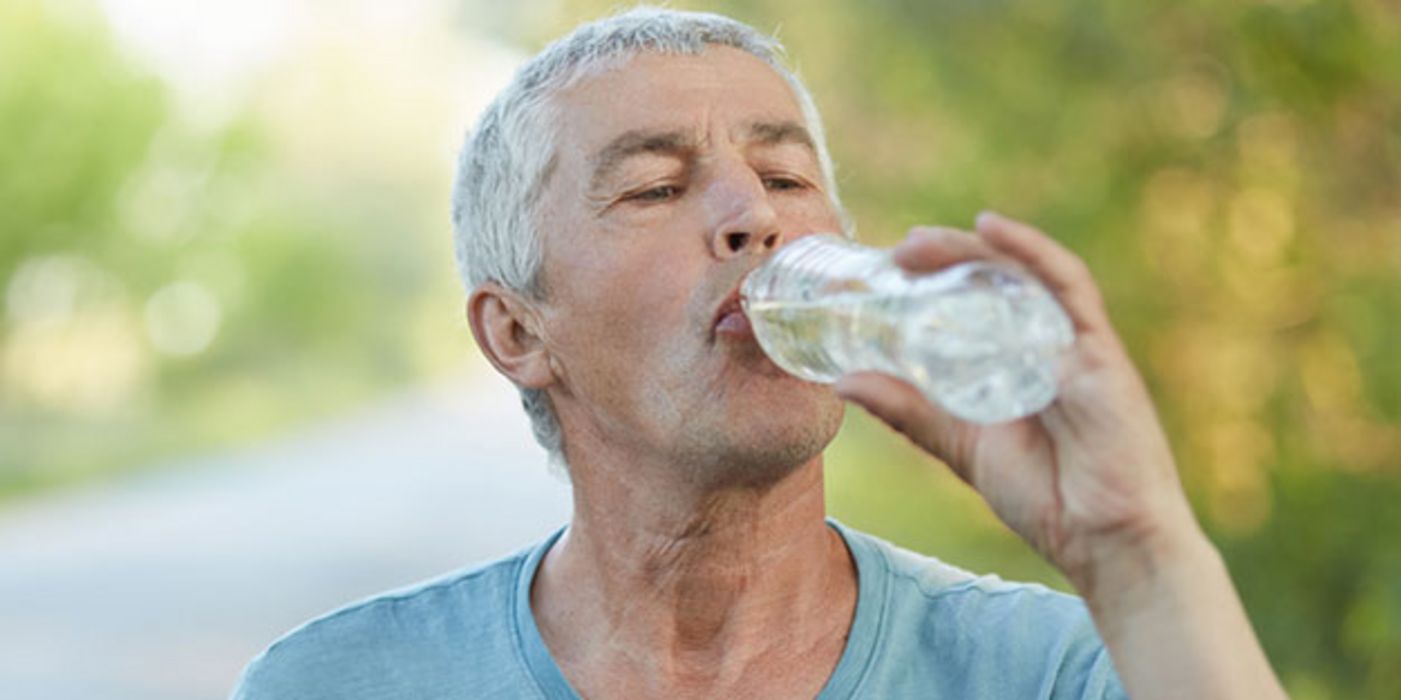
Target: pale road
{"type": "Point", "coordinates": [163, 585]}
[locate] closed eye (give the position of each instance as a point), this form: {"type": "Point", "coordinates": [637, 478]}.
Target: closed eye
{"type": "Point", "coordinates": [660, 193]}
{"type": "Point", "coordinates": [783, 183]}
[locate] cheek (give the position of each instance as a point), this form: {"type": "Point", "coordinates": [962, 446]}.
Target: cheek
{"type": "Point", "coordinates": [810, 214]}
{"type": "Point", "coordinates": [620, 314]}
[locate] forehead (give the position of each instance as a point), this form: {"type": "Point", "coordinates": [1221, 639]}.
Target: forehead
{"type": "Point", "coordinates": [652, 91]}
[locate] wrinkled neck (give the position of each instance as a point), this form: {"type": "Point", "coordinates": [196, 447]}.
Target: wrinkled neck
{"type": "Point", "coordinates": [697, 581]}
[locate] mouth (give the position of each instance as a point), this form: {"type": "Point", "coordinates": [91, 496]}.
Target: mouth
{"type": "Point", "coordinates": [730, 320]}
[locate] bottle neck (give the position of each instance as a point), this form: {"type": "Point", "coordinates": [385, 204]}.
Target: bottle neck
{"type": "Point", "coordinates": [814, 267]}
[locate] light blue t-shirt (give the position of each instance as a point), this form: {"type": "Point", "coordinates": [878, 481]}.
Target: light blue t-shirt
{"type": "Point", "coordinates": [922, 629]}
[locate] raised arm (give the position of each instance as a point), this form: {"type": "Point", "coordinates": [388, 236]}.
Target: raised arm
{"type": "Point", "coordinates": [1091, 484]}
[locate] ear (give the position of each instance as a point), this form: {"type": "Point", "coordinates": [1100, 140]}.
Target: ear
{"type": "Point", "coordinates": [507, 330]}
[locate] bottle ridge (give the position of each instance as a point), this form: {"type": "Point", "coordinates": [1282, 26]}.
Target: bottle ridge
{"type": "Point", "coordinates": [982, 339]}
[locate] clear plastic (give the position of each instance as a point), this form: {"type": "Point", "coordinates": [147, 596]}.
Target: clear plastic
{"type": "Point", "coordinates": [982, 339]}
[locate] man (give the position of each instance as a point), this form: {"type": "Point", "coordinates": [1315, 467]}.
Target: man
{"type": "Point", "coordinates": [608, 205]}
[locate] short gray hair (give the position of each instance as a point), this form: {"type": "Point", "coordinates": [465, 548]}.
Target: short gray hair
{"type": "Point", "coordinates": [503, 165]}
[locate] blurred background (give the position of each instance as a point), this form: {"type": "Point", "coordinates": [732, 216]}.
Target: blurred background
{"type": "Point", "coordinates": [236, 387]}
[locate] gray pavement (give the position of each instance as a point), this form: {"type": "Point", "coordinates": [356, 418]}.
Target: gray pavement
{"type": "Point", "coordinates": [163, 585]}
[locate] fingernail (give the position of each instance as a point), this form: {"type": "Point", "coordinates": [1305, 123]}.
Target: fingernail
{"type": "Point", "coordinates": [988, 217]}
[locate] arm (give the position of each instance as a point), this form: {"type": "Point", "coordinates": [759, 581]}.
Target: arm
{"type": "Point", "coordinates": [1091, 484]}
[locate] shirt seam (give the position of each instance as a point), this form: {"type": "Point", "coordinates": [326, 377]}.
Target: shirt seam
{"type": "Point", "coordinates": [878, 645]}
{"type": "Point", "coordinates": [972, 586]}
{"type": "Point", "coordinates": [517, 633]}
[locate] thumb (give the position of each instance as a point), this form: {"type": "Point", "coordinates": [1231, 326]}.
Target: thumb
{"type": "Point", "coordinates": [904, 408]}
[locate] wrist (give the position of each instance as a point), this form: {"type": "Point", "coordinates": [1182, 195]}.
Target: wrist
{"type": "Point", "coordinates": [1145, 567]}
{"type": "Point", "coordinates": [1171, 619]}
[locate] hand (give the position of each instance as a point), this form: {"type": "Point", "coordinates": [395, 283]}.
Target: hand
{"type": "Point", "coordinates": [1088, 480]}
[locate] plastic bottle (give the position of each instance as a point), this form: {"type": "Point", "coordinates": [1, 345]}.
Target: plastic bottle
{"type": "Point", "coordinates": [982, 339]}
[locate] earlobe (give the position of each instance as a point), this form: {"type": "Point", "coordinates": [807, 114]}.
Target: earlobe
{"type": "Point", "coordinates": [507, 331]}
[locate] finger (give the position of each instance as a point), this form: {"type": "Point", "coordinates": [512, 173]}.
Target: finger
{"type": "Point", "coordinates": [929, 248]}
{"type": "Point", "coordinates": [1063, 272]}
{"type": "Point", "coordinates": [904, 408]}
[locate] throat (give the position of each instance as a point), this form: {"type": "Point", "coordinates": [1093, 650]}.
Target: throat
{"type": "Point", "coordinates": [739, 582]}
{"type": "Point", "coordinates": [701, 620]}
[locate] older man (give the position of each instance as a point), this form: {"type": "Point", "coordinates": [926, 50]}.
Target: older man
{"type": "Point", "coordinates": [609, 203]}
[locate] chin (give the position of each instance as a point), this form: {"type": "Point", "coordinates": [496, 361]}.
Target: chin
{"type": "Point", "coordinates": [773, 442]}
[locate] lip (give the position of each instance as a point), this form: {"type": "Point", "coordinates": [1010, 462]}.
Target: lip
{"type": "Point", "coordinates": [730, 319]}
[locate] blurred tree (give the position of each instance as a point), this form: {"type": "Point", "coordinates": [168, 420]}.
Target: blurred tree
{"type": "Point", "coordinates": [170, 285]}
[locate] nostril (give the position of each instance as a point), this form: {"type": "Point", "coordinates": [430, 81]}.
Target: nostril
{"type": "Point", "coordinates": [736, 241]}
{"type": "Point", "coordinates": [771, 241]}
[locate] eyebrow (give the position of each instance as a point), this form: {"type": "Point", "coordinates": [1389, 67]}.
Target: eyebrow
{"type": "Point", "coordinates": [779, 133]}
{"type": "Point", "coordinates": [635, 143]}
{"type": "Point", "coordinates": [681, 143]}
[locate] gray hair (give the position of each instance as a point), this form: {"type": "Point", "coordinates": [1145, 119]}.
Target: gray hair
{"type": "Point", "coordinates": [503, 165]}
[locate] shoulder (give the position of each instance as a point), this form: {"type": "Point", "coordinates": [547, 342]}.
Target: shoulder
{"type": "Point", "coordinates": [920, 580]}
{"type": "Point", "coordinates": [981, 632]}
{"type": "Point", "coordinates": [987, 598]}
{"type": "Point", "coordinates": [409, 642]}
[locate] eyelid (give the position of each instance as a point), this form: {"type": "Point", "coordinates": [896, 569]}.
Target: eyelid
{"type": "Point", "coordinates": [640, 194]}
{"type": "Point", "coordinates": [798, 181]}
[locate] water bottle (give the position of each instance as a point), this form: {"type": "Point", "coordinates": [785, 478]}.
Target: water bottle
{"type": "Point", "coordinates": [982, 339]}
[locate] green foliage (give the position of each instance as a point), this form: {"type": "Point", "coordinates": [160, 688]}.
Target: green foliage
{"type": "Point", "coordinates": [63, 164]}
{"type": "Point", "coordinates": [173, 286]}
{"type": "Point", "coordinates": [1322, 582]}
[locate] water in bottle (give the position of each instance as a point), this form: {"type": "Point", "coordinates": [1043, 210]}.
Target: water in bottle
{"type": "Point", "coordinates": [980, 338]}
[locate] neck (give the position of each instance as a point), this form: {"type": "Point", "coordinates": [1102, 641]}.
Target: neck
{"type": "Point", "coordinates": [691, 584]}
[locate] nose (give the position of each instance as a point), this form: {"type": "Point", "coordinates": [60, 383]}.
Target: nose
{"type": "Point", "coordinates": [743, 219]}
